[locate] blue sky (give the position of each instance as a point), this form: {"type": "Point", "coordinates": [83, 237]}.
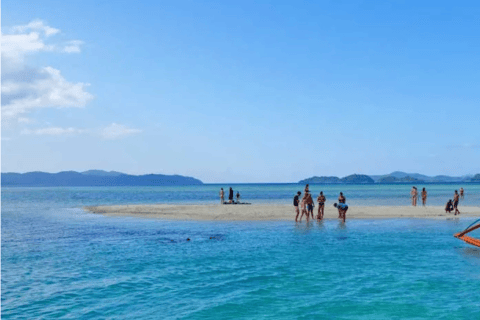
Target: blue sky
{"type": "Point", "coordinates": [247, 91]}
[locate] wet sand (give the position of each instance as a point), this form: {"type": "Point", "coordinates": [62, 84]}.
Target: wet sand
{"type": "Point", "coordinates": [271, 212]}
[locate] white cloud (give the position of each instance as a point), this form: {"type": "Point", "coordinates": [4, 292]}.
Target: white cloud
{"type": "Point", "coordinates": [46, 88]}
{"type": "Point", "coordinates": [36, 25]}
{"type": "Point", "coordinates": [16, 46]}
{"type": "Point", "coordinates": [73, 46]}
{"type": "Point", "coordinates": [25, 88]}
{"type": "Point", "coordinates": [116, 131]}
{"type": "Point", "coordinates": [53, 131]}
{"type": "Point", "coordinates": [25, 120]}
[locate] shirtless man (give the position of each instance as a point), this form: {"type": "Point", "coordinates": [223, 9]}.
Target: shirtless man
{"type": "Point", "coordinates": [295, 204]}
{"type": "Point", "coordinates": [456, 198]}
{"type": "Point", "coordinates": [222, 196]}
{"type": "Point", "coordinates": [342, 210]}
{"type": "Point", "coordinates": [461, 193]}
{"type": "Point", "coordinates": [424, 197]}
{"type": "Point", "coordinates": [309, 202]}
{"type": "Point", "coordinates": [414, 195]}
{"type": "Point", "coordinates": [321, 205]}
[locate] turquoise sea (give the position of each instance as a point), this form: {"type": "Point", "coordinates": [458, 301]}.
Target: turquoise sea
{"type": "Point", "coordinates": [59, 262]}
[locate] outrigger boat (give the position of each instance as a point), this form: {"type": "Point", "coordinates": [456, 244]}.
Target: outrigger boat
{"type": "Point", "coordinates": [470, 240]}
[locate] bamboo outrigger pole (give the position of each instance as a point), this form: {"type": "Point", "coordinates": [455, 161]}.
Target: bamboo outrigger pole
{"type": "Point", "coordinates": [467, 239]}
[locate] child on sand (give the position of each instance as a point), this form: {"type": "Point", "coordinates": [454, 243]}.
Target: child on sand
{"type": "Point", "coordinates": [449, 206]}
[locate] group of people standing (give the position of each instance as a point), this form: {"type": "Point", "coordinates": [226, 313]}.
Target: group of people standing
{"type": "Point", "coordinates": [307, 204]}
{"type": "Point", "coordinates": [450, 206]}
{"type": "Point", "coordinates": [230, 196]}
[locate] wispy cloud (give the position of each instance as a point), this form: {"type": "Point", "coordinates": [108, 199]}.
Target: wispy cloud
{"type": "Point", "coordinates": [113, 131]}
{"type": "Point", "coordinates": [73, 46]}
{"type": "Point", "coordinates": [53, 131]}
{"type": "Point", "coordinates": [36, 25]}
{"type": "Point", "coordinates": [467, 146]}
{"type": "Point", "coordinates": [117, 131]}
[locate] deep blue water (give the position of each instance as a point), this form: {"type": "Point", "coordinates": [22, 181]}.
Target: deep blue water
{"type": "Point", "coordinates": [60, 262]}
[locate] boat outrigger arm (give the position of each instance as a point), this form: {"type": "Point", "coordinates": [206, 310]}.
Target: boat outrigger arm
{"type": "Point", "coordinates": [470, 240]}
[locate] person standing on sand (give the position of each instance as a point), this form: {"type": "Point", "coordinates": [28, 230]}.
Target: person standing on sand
{"type": "Point", "coordinates": [238, 197]}
{"type": "Point", "coordinates": [414, 195]}
{"type": "Point", "coordinates": [424, 197]}
{"type": "Point", "coordinates": [230, 195]}
{"type": "Point", "coordinates": [295, 204]}
{"type": "Point", "coordinates": [342, 210]}
{"type": "Point", "coordinates": [309, 201]}
{"type": "Point", "coordinates": [456, 198]}
{"type": "Point", "coordinates": [321, 205]}
{"type": "Point", "coordinates": [341, 199]}
{"type": "Point", "coordinates": [222, 196]}
{"type": "Point", "coordinates": [461, 193]}
{"type": "Point", "coordinates": [303, 204]}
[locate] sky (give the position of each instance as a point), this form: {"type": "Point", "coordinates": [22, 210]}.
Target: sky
{"type": "Point", "coordinates": [244, 91]}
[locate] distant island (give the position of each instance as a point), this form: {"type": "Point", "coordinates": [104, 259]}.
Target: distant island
{"type": "Point", "coordinates": [92, 178]}
{"type": "Point", "coordinates": [394, 177]}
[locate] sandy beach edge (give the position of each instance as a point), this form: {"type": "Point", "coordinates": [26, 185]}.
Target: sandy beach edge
{"type": "Point", "coordinates": [270, 212]}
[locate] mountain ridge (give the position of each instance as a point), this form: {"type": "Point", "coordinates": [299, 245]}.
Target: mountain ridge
{"type": "Point", "coordinates": [394, 177]}
{"type": "Point", "coordinates": [92, 178]}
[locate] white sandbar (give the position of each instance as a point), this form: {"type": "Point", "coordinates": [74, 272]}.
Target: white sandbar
{"type": "Point", "coordinates": [257, 212]}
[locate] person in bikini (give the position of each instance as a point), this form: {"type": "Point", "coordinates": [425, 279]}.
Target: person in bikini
{"type": "Point", "coordinates": [424, 197]}
{"type": "Point", "coordinates": [321, 205]}
{"type": "Point", "coordinates": [456, 198]}
{"type": "Point", "coordinates": [295, 204]}
{"type": "Point", "coordinates": [414, 195]}
{"type": "Point", "coordinates": [462, 193]}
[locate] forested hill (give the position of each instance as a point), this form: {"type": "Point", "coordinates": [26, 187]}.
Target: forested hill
{"type": "Point", "coordinates": [92, 178]}
{"type": "Point", "coordinates": [394, 177]}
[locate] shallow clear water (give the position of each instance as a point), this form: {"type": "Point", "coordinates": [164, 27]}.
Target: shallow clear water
{"type": "Point", "coordinates": [60, 262]}
{"type": "Point", "coordinates": [361, 195]}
